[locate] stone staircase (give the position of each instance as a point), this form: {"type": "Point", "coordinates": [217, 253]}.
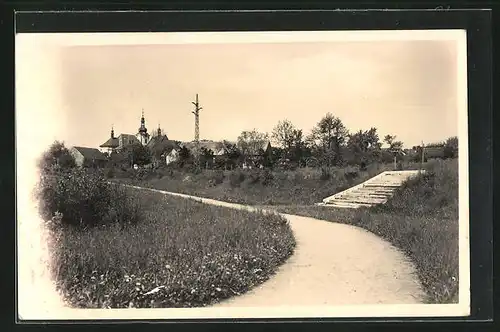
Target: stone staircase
{"type": "Point", "coordinates": [374, 191]}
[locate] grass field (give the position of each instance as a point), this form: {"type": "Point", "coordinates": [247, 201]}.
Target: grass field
{"type": "Point", "coordinates": [421, 219]}
{"type": "Point", "coordinates": [257, 187]}
{"type": "Point", "coordinates": [176, 253]}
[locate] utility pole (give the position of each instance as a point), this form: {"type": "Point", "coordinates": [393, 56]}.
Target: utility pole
{"type": "Point", "coordinates": [422, 159]}
{"type": "Point", "coordinates": [196, 113]}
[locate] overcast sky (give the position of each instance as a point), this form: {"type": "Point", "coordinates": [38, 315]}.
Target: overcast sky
{"type": "Point", "coordinates": [404, 88]}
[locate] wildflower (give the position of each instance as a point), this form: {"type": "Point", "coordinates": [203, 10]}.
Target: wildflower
{"type": "Point", "coordinates": [167, 266]}
{"type": "Point", "coordinates": [218, 289]}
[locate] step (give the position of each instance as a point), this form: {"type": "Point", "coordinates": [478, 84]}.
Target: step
{"type": "Point", "coordinates": [345, 204]}
{"type": "Point", "coordinates": [374, 191]}
{"type": "Point", "coordinates": [360, 200]}
{"type": "Point", "coordinates": [362, 194]}
{"type": "Point", "coordinates": [382, 185]}
{"type": "Point", "coordinates": [366, 195]}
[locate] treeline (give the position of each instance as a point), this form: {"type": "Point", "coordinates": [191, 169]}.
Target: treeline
{"type": "Point", "coordinates": [329, 144]}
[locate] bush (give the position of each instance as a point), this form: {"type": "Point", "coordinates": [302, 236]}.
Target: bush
{"type": "Point", "coordinates": [267, 177]}
{"type": "Point", "coordinates": [236, 178]}
{"type": "Point", "coordinates": [253, 176]}
{"type": "Point", "coordinates": [57, 156]}
{"type": "Point", "coordinates": [84, 199]}
{"type": "Point", "coordinates": [217, 178]}
{"type": "Point", "coordinates": [325, 174]}
{"type": "Point", "coordinates": [110, 173]}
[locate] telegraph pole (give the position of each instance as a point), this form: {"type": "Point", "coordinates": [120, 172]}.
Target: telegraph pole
{"type": "Point", "coordinates": [196, 113]}
{"type": "Point", "coordinates": [422, 159]}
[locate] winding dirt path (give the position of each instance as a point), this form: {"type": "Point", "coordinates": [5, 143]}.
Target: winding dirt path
{"type": "Point", "coordinates": [333, 264]}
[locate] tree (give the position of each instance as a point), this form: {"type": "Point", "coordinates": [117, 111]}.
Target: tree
{"type": "Point", "coordinates": [206, 157]}
{"type": "Point", "coordinates": [185, 156]}
{"type": "Point", "coordinates": [140, 155]}
{"type": "Point", "coordinates": [291, 141]}
{"type": "Point", "coordinates": [230, 158]}
{"type": "Point", "coordinates": [330, 135]}
{"type": "Point", "coordinates": [393, 144]}
{"type": "Point", "coordinates": [395, 147]}
{"type": "Point", "coordinates": [364, 147]}
{"type": "Point", "coordinates": [284, 134]}
{"type": "Point", "coordinates": [251, 142]}
{"type": "Point", "coordinates": [451, 147]}
{"type": "Point", "coordinates": [56, 156]}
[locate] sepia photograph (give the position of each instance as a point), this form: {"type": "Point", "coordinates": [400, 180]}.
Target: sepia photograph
{"type": "Point", "coordinates": [242, 174]}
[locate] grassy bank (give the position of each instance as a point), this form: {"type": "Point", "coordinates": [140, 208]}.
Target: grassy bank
{"type": "Point", "coordinates": [255, 187]}
{"type": "Point", "coordinates": [421, 219]}
{"type": "Point", "coordinates": [129, 248]}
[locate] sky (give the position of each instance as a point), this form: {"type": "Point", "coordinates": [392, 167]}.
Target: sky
{"type": "Point", "coordinates": [406, 88]}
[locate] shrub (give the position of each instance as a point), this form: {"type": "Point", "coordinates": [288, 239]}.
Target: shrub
{"type": "Point", "coordinates": [325, 174]}
{"type": "Point", "coordinates": [267, 177]}
{"type": "Point", "coordinates": [253, 176]}
{"type": "Point", "coordinates": [57, 156]}
{"type": "Point", "coordinates": [110, 173]}
{"type": "Point", "coordinates": [84, 199]}
{"type": "Point", "coordinates": [236, 178]}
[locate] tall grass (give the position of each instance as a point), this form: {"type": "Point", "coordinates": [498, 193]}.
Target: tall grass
{"type": "Point", "coordinates": [256, 187]}
{"type": "Point", "coordinates": [176, 253]}
{"type": "Point", "coordinates": [421, 219]}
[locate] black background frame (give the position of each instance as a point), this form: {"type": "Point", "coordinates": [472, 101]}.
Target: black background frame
{"type": "Point", "coordinates": [480, 125]}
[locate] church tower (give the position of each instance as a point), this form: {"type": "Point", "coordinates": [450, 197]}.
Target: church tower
{"type": "Point", "coordinates": [143, 135]}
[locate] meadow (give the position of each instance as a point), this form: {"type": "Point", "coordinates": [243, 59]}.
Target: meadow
{"type": "Point", "coordinates": [303, 186]}
{"type": "Point", "coordinates": [421, 219]}
{"type": "Point", "coordinates": [114, 247]}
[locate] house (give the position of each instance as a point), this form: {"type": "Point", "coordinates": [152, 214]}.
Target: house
{"type": "Point", "coordinates": [116, 144]}
{"type": "Point", "coordinates": [256, 154]}
{"type": "Point", "coordinates": [160, 147]}
{"type": "Point", "coordinates": [209, 145]}
{"type": "Point", "coordinates": [172, 156]}
{"type": "Point", "coordinates": [88, 157]}
{"type": "Point", "coordinates": [124, 140]}
{"type": "Point", "coordinates": [434, 152]}
{"type": "Point", "coordinates": [111, 144]}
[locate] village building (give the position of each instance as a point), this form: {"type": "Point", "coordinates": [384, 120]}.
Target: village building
{"type": "Point", "coordinates": [160, 147]}
{"type": "Point", "coordinates": [434, 152]}
{"type": "Point", "coordinates": [142, 134]}
{"type": "Point", "coordinates": [88, 157]}
{"type": "Point", "coordinates": [256, 154]}
{"type": "Point", "coordinates": [116, 144]}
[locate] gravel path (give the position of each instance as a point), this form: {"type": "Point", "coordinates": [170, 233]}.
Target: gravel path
{"type": "Point", "coordinates": [333, 264]}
